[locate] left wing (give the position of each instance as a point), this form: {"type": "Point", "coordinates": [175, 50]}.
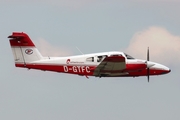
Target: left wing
{"type": "Point", "coordinates": [110, 66]}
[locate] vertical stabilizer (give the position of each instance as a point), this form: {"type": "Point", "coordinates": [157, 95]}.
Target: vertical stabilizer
{"type": "Point", "coordinates": [23, 49]}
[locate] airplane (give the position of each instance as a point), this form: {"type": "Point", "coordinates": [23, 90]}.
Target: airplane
{"type": "Point", "coordinates": [104, 64]}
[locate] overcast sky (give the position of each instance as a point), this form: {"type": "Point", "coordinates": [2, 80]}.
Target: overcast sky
{"type": "Point", "coordinates": [58, 26]}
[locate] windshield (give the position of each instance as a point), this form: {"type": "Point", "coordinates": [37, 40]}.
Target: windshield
{"type": "Point", "coordinates": [128, 56]}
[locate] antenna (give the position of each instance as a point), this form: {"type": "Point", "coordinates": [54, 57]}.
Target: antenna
{"type": "Point", "coordinates": [79, 50]}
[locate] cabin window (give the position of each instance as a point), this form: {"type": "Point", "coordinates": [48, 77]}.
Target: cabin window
{"type": "Point", "coordinates": [128, 56]}
{"type": "Point", "coordinates": [90, 59]}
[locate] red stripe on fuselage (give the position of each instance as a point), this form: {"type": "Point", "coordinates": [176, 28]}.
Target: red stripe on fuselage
{"type": "Point", "coordinates": [75, 69]}
{"type": "Point", "coordinates": [144, 73]}
{"type": "Point", "coordinates": [89, 70]}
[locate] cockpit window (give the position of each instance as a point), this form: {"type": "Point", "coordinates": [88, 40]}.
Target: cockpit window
{"type": "Point", "coordinates": [100, 58]}
{"type": "Point", "coordinates": [116, 55]}
{"type": "Point", "coordinates": [128, 56]}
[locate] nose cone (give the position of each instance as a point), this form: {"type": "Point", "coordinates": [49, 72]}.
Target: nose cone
{"type": "Point", "coordinates": [161, 69]}
{"type": "Point", "coordinates": [165, 69]}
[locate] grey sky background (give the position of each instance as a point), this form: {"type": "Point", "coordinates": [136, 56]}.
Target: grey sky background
{"type": "Point", "coordinates": [58, 26]}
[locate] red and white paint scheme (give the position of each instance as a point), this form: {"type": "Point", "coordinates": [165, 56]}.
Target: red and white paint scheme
{"type": "Point", "coordinates": [105, 64]}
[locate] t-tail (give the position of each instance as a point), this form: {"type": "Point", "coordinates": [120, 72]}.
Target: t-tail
{"type": "Point", "coordinates": [23, 49]}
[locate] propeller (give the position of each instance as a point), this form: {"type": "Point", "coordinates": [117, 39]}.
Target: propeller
{"type": "Point", "coordinates": [148, 71]}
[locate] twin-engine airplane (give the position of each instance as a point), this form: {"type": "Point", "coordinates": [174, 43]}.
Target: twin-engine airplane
{"type": "Point", "coordinates": [105, 64]}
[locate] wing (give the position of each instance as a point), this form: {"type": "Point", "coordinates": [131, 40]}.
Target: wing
{"type": "Point", "coordinates": [110, 66]}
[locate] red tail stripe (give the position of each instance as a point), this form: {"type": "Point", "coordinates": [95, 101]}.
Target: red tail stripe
{"type": "Point", "coordinates": [20, 39]}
